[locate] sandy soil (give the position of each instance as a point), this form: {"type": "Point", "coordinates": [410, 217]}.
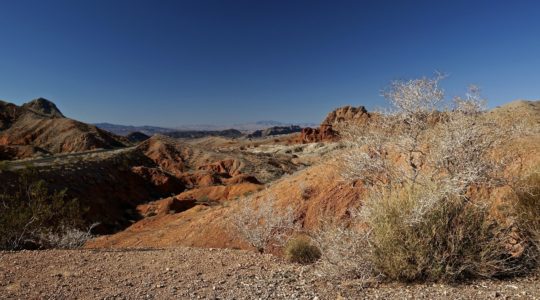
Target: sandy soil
{"type": "Point", "coordinates": [193, 273]}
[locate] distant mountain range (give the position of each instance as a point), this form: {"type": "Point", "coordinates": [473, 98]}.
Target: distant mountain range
{"type": "Point", "coordinates": [190, 130]}
{"type": "Point", "coordinates": [124, 130]}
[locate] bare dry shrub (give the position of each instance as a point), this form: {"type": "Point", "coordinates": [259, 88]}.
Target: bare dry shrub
{"type": "Point", "coordinates": [261, 224]}
{"type": "Point", "coordinates": [301, 250]}
{"type": "Point", "coordinates": [528, 212]}
{"type": "Point", "coordinates": [65, 237]}
{"type": "Point", "coordinates": [419, 162]}
{"type": "Point", "coordinates": [345, 251]}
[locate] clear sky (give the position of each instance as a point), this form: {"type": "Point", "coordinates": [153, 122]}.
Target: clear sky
{"type": "Point", "coordinates": [170, 63]}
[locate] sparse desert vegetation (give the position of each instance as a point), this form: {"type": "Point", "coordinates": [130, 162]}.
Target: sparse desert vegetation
{"type": "Point", "coordinates": [423, 164]}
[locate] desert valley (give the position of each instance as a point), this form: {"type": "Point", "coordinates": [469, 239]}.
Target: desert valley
{"type": "Point", "coordinates": [240, 149]}
{"type": "Point", "coordinates": [142, 199]}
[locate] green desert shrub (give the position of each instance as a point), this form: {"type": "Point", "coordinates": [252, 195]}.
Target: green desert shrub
{"type": "Point", "coordinates": [3, 165]}
{"type": "Point", "coordinates": [31, 212]}
{"type": "Point", "coordinates": [453, 240]}
{"type": "Point", "coordinates": [301, 250]}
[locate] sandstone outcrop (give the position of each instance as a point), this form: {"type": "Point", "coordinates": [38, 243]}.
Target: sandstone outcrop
{"type": "Point", "coordinates": [347, 114]}
{"type": "Point", "coordinates": [329, 128]}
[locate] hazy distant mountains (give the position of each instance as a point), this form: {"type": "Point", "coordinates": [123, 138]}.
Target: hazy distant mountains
{"type": "Point", "coordinates": [124, 130]}
{"type": "Point", "coordinates": [191, 130]}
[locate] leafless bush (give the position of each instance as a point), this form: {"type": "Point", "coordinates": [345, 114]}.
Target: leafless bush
{"type": "Point", "coordinates": [528, 211]}
{"type": "Point", "coordinates": [261, 224]}
{"type": "Point", "coordinates": [65, 237]}
{"type": "Point", "coordinates": [345, 250]}
{"type": "Point", "coordinates": [419, 163]}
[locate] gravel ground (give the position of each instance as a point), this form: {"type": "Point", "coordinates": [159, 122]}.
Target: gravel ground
{"type": "Point", "coordinates": [191, 273]}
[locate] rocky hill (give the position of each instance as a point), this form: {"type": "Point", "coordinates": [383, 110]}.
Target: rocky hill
{"type": "Point", "coordinates": [159, 176]}
{"type": "Point", "coordinates": [44, 107]}
{"type": "Point", "coordinates": [39, 127]}
{"type": "Point", "coordinates": [136, 137]}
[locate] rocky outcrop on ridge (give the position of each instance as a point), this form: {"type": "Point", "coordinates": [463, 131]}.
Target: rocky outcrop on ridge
{"type": "Point", "coordinates": [329, 128]}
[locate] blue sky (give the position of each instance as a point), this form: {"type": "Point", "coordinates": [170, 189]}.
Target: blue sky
{"type": "Point", "coordinates": [170, 63]}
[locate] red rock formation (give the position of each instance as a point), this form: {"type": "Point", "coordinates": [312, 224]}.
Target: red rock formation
{"type": "Point", "coordinates": [314, 135]}
{"type": "Point", "coordinates": [347, 114]}
{"type": "Point", "coordinates": [327, 130]}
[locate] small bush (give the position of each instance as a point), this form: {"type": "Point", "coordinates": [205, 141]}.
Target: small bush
{"type": "Point", "coordinates": [32, 211]}
{"type": "Point", "coordinates": [65, 237]}
{"type": "Point", "coordinates": [4, 165]}
{"type": "Point", "coordinates": [306, 192]}
{"type": "Point", "coordinates": [261, 225]}
{"type": "Point", "coordinates": [453, 240]}
{"type": "Point", "coordinates": [301, 250]}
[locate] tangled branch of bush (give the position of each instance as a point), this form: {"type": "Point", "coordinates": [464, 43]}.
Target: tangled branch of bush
{"type": "Point", "coordinates": [261, 225]}
{"type": "Point", "coordinates": [33, 217]}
